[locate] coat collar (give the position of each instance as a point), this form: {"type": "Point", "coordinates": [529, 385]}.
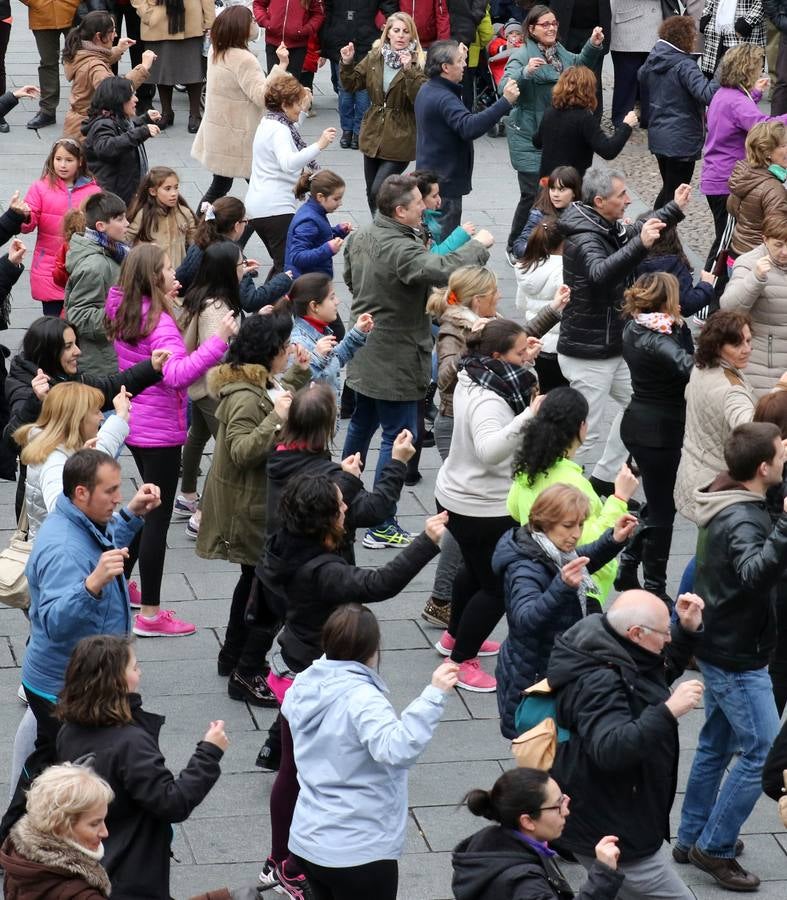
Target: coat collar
{"type": "Point", "coordinates": [71, 512]}
{"type": "Point", "coordinates": [223, 376]}
{"type": "Point", "coordinates": [389, 224]}
{"type": "Point", "coordinates": [441, 83]}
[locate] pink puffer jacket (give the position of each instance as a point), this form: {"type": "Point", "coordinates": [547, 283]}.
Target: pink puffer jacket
{"type": "Point", "coordinates": [48, 204]}
{"type": "Point", "coordinates": [158, 414]}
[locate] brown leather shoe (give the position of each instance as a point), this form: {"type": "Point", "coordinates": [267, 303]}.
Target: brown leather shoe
{"type": "Point", "coordinates": [728, 872]}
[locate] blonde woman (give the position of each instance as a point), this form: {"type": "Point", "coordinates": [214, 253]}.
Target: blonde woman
{"type": "Point", "coordinates": [392, 73]}
{"type": "Point", "coordinates": [69, 420]}
{"type": "Point", "coordinates": [55, 850]}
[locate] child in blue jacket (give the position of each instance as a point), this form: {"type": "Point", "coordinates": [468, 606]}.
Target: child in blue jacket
{"type": "Point", "coordinates": [312, 242]}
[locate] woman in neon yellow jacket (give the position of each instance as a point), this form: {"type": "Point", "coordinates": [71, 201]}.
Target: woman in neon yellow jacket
{"type": "Point", "coordinates": [546, 457]}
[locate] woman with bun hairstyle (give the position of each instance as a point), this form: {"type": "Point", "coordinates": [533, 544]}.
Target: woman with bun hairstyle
{"type": "Point", "coordinates": [512, 860]}
{"type": "Point", "coordinates": [353, 754]}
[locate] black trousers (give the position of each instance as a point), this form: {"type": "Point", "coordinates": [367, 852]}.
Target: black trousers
{"type": "Point", "coordinates": [5, 37]}
{"type": "Point", "coordinates": [246, 646]}
{"type": "Point", "coordinates": [477, 598]}
{"type": "Point", "coordinates": [272, 231]}
{"type": "Point", "coordinates": [528, 188]}
{"type": "Point", "coordinates": [297, 59]}
{"type": "Point", "coordinates": [451, 218]}
{"type": "Point", "coordinates": [378, 879]}
{"type": "Point", "coordinates": [627, 88]}
{"type": "Point", "coordinates": [375, 172]}
{"type": "Point", "coordinates": [549, 374]}
{"type": "Point", "coordinates": [160, 466]}
{"type": "Point", "coordinates": [658, 467]}
{"type": "Point", "coordinates": [674, 172]}
{"type": "Point", "coordinates": [779, 97]}
{"type": "Point", "coordinates": [718, 208]}
{"type": "Point", "coordinates": [146, 91]}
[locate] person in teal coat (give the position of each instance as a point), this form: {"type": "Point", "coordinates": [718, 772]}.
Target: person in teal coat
{"type": "Point", "coordinates": [536, 67]}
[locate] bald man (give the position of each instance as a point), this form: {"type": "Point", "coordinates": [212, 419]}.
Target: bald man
{"type": "Point", "coordinates": [619, 766]}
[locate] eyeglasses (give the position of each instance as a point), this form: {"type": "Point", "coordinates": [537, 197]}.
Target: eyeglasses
{"type": "Point", "coordinates": [561, 802]}
{"type": "Point", "coordinates": [548, 25]}
{"type": "Point", "coordinates": [654, 630]}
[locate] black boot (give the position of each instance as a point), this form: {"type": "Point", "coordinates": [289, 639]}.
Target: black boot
{"type": "Point", "coordinates": [655, 556]}
{"type": "Point", "coordinates": [627, 578]}
{"type": "Point", "coordinates": [345, 140]}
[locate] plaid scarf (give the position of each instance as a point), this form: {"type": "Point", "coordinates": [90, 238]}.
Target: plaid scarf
{"type": "Point", "coordinates": [550, 55]}
{"type": "Point", "coordinates": [116, 249]}
{"type": "Point", "coordinates": [513, 383]}
{"type": "Point", "coordinates": [295, 134]}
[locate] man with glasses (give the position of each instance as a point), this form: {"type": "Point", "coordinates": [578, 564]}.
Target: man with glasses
{"type": "Point", "coordinates": [611, 674]}
{"type": "Point", "coordinates": [741, 556]}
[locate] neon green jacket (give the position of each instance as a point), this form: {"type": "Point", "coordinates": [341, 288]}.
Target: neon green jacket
{"type": "Point", "coordinates": [565, 471]}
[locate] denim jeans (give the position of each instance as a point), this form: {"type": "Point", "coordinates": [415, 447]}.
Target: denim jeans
{"type": "Point", "coordinates": [352, 104]}
{"type": "Point", "coordinates": [369, 415]}
{"type": "Point", "coordinates": [740, 715]}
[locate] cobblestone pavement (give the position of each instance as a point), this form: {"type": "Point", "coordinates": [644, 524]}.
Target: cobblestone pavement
{"type": "Point", "coordinates": [228, 836]}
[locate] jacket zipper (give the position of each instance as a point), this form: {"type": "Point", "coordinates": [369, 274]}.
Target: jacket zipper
{"type": "Point", "coordinates": [770, 351]}
{"type": "Point", "coordinates": [609, 318]}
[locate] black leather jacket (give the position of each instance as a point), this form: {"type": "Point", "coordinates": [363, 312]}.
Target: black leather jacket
{"type": "Point", "coordinates": [741, 555]}
{"type": "Point", "coordinates": [599, 261]}
{"type": "Point", "coordinates": [660, 366]}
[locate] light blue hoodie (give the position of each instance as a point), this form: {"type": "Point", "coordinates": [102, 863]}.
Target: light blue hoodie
{"type": "Point", "coordinates": [352, 754]}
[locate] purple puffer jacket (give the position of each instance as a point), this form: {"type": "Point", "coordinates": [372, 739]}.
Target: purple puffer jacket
{"type": "Point", "coordinates": [158, 414]}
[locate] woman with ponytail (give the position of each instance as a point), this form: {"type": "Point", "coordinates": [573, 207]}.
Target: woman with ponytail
{"type": "Point", "coordinates": [512, 860]}
{"type": "Point", "coordinates": [546, 456]}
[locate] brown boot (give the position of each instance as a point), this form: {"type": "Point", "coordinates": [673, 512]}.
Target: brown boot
{"type": "Point", "coordinates": [728, 872]}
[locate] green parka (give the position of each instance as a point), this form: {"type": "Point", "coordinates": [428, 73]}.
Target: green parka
{"type": "Point", "coordinates": [233, 503]}
{"type": "Point", "coordinates": [535, 96]}
{"type": "Point", "coordinates": [388, 127]}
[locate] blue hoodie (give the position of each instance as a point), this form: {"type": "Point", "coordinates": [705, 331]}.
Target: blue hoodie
{"type": "Point", "coordinates": [352, 755]}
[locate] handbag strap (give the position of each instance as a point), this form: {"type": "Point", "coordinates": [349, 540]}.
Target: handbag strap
{"type": "Point", "coordinates": [23, 523]}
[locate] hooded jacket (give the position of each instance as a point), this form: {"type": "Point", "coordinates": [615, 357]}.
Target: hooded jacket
{"type": "Point", "coordinates": [599, 262]}
{"type": "Point", "coordinates": [148, 797]}
{"type": "Point", "coordinates": [364, 508]}
{"type": "Point", "coordinates": [754, 193]}
{"type": "Point", "coordinates": [620, 764]}
{"type": "Point", "coordinates": [92, 272]}
{"type": "Point", "coordinates": [115, 152]}
{"type": "Point", "coordinates": [741, 556]}
{"type": "Point", "coordinates": [352, 754]}
{"type": "Point", "coordinates": [311, 593]}
{"type": "Point", "coordinates": [536, 290]}
{"type": "Point", "coordinates": [540, 606]}
{"type": "Point", "coordinates": [678, 94]}
{"type": "Point", "coordinates": [42, 866]}
{"type": "Point", "coordinates": [233, 520]}
{"type": "Point", "coordinates": [494, 864]}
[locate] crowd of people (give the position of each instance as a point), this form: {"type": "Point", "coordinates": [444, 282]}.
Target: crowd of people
{"type": "Point", "coordinates": [158, 334]}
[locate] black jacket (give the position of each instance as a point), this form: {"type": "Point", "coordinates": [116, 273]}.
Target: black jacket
{"type": "Point", "coordinates": [352, 20]}
{"type": "Point", "coordinates": [148, 797]}
{"type": "Point", "coordinates": [364, 509]}
{"type": "Point", "coordinates": [494, 864]}
{"type": "Point", "coordinates": [25, 406]}
{"type": "Point", "coordinates": [9, 275]}
{"type": "Point", "coordinates": [564, 13]}
{"type": "Point", "coordinates": [7, 100]}
{"type": "Point", "coordinates": [678, 94]}
{"type": "Point", "coordinates": [741, 557]}
{"type": "Point", "coordinates": [570, 137]}
{"type": "Point", "coordinates": [599, 261]}
{"type": "Point", "coordinates": [620, 764]}
{"type": "Point", "coordinates": [775, 764]}
{"type": "Point", "coordinates": [115, 152]}
{"type": "Point", "coordinates": [445, 133]}
{"type": "Point", "coordinates": [312, 592]}
{"type": "Point", "coordinates": [660, 367]}
{"type": "Point", "coordinates": [10, 224]}
{"type": "Point", "coordinates": [465, 17]}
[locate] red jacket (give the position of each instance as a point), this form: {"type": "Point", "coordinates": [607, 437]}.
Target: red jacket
{"type": "Point", "coordinates": [288, 21]}
{"type": "Point", "coordinates": [431, 19]}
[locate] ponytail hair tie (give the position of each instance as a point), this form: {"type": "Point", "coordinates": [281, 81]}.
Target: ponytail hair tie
{"type": "Point", "coordinates": [544, 182]}
{"type": "Point", "coordinates": [207, 210]}
{"type": "Point", "coordinates": [452, 300]}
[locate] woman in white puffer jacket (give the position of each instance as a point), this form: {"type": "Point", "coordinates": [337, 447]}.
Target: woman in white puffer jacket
{"type": "Point", "coordinates": [539, 277]}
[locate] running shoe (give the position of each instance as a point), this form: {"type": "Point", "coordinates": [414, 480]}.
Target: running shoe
{"type": "Point", "coordinates": [445, 646]}
{"type": "Point", "coordinates": [134, 595]}
{"type": "Point", "coordinates": [163, 624]}
{"type": "Point", "coordinates": [473, 678]}
{"type": "Point", "coordinates": [183, 508]}
{"type": "Point", "coordinates": [391, 536]}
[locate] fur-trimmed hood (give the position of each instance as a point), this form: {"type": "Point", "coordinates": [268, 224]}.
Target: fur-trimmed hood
{"type": "Point", "coordinates": [31, 858]}
{"type": "Point", "coordinates": [224, 375]}
{"type": "Point", "coordinates": [461, 317]}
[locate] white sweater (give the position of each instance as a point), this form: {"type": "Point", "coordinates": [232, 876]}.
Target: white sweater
{"type": "Point", "coordinates": [535, 289]}
{"type": "Point", "coordinates": [275, 167]}
{"type": "Point", "coordinates": [476, 477]}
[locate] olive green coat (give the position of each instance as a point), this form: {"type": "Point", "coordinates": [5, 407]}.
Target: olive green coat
{"type": "Point", "coordinates": [233, 503]}
{"type": "Point", "coordinates": [388, 127]}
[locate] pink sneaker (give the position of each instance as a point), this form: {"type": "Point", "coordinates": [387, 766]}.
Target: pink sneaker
{"type": "Point", "coordinates": [134, 595]}
{"type": "Point", "coordinates": [163, 625]}
{"type": "Point", "coordinates": [473, 678]}
{"type": "Point", "coordinates": [445, 646]}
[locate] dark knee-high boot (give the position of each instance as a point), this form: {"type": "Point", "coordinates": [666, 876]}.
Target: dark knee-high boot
{"type": "Point", "coordinates": [656, 544]}
{"type": "Point", "coordinates": [627, 578]}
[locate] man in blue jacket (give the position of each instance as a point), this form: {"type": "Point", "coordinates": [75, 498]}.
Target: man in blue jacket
{"type": "Point", "coordinates": [446, 130]}
{"type": "Point", "coordinates": [77, 589]}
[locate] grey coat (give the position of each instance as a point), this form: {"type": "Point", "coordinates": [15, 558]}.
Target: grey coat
{"type": "Point", "coordinates": [635, 25]}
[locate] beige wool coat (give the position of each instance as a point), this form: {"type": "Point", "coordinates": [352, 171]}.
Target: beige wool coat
{"type": "Point", "coordinates": [718, 399]}
{"type": "Point", "coordinates": [199, 17]}
{"type": "Point", "coordinates": [766, 302]}
{"type": "Point", "coordinates": [233, 108]}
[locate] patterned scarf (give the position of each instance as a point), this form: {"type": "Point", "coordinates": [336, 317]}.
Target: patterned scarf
{"type": "Point", "coordinates": [295, 134]}
{"type": "Point", "coordinates": [560, 558]}
{"type": "Point", "coordinates": [550, 55]}
{"type": "Point", "coordinates": [513, 383]}
{"type": "Point", "coordinates": [116, 249]}
{"type": "Point", "coordinates": [391, 56]}
{"type": "Point", "coordinates": [656, 321]}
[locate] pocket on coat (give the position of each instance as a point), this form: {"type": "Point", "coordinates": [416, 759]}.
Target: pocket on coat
{"type": "Point", "coordinates": [625, 12]}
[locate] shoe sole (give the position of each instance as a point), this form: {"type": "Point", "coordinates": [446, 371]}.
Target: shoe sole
{"type": "Point", "coordinates": [748, 889]}
{"type": "Point", "coordinates": [381, 546]}
{"type": "Point", "coordinates": [191, 535]}
{"type": "Point", "coordinates": [443, 651]}
{"type": "Point", "coordinates": [182, 514]}
{"type": "Point", "coordinates": [241, 696]}
{"type": "Point", "coordinates": [476, 690]}
{"type": "Point", "coordinates": [140, 633]}
{"type": "Point", "coordinates": [135, 605]}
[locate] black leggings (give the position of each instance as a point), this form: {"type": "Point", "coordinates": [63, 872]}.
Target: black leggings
{"type": "Point", "coordinates": [674, 172]}
{"type": "Point", "coordinates": [477, 599]}
{"type": "Point", "coordinates": [718, 208]}
{"type": "Point", "coordinates": [247, 646]}
{"type": "Point", "coordinates": [5, 36]}
{"type": "Point", "coordinates": [378, 879]}
{"type": "Point", "coordinates": [375, 171]}
{"type": "Point", "coordinates": [160, 466]}
{"type": "Point", "coordinates": [272, 231]}
{"type": "Point", "coordinates": [658, 467]}
{"type": "Point", "coordinates": [295, 65]}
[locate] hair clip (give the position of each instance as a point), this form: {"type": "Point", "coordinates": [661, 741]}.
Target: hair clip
{"type": "Point", "coordinates": [207, 210]}
{"type": "Point", "coordinates": [452, 299]}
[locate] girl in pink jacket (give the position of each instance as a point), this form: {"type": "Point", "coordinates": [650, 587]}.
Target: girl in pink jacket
{"type": "Point", "coordinates": [140, 315]}
{"type": "Point", "coordinates": [65, 184]}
